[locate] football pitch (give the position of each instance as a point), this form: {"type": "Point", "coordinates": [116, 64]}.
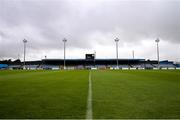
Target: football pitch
{"type": "Point", "coordinates": [82, 94]}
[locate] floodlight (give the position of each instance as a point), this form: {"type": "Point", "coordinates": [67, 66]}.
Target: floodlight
{"type": "Point", "coordinates": [24, 41]}
{"type": "Point", "coordinates": [64, 40]}
{"type": "Point", "coordinates": [117, 40]}
{"type": "Point", "coordinates": [133, 54]}
{"type": "Point", "coordinates": [157, 41]}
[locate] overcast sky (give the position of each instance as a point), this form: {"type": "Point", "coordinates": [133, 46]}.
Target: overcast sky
{"type": "Point", "coordinates": [90, 25]}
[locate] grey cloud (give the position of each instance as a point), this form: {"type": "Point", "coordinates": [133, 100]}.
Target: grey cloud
{"type": "Point", "coordinates": [46, 22]}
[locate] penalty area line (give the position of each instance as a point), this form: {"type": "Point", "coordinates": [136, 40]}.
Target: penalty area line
{"type": "Point", "coordinates": [89, 113]}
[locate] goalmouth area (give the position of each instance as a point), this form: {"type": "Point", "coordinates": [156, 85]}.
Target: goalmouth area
{"type": "Point", "coordinates": [93, 94]}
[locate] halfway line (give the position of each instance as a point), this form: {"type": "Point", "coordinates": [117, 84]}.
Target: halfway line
{"type": "Point", "coordinates": [89, 114]}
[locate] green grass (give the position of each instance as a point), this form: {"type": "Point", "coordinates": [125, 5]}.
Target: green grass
{"type": "Point", "coordinates": [136, 94]}
{"type": "Point", "coordinates": [115, 94]}
{"type": "Point", "coordinates": [43, 94]}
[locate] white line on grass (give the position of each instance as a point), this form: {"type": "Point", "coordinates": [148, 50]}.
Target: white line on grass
{"type": "Point", "coordinates": [89, 113]}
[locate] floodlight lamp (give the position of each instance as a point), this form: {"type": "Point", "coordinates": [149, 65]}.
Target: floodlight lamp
{"type": "Point", "coordinates": [24, 41]}
{"type": "Point", "coordinates": [116, 40]}
{"type": "Point", "coordinates": [157, 40]}
{"type": "Point", "coordinates": [64, 40]}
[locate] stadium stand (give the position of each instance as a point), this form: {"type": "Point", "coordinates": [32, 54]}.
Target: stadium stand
{"type": "Point", "coordinates": [50, 67]}
{"type": "Point", "coordinates": [177, 65]}
{"type": "Point", "coordinates": [138, 66]}
{"type": "Point", "coordinates": [31, 67]}
{"type": "Point", "coordinates": [15, 67]}
{"type": "Point", "coordinates": [55, 64]}
{"type": "Point", "coordinates": [166, 65]}
{"type": "Point", "coordinates": [91, 64]}
{"type": "Point", "coordinates": [3, 66]}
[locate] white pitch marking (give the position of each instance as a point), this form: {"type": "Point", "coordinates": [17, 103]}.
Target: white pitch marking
{"type": "Point", "coordinates": [89, 113]}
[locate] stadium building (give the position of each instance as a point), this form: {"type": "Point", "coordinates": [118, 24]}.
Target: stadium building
{"type": "Point", "coordinates": [90, 63]}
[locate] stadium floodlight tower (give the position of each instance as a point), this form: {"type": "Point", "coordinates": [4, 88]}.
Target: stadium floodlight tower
{"type": "Point", "coordinates": [24, 41]}
{"type": "Point", "coordinates": [133, 54]}
{"type": "Point", "coordinates": [117, 40]}
{"type": "Point", "coordinates": [94, 58]}
{"type": "Point", "coordinates": [64, 40]}
{"type": "Point", "coordinates": [157, 42]}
